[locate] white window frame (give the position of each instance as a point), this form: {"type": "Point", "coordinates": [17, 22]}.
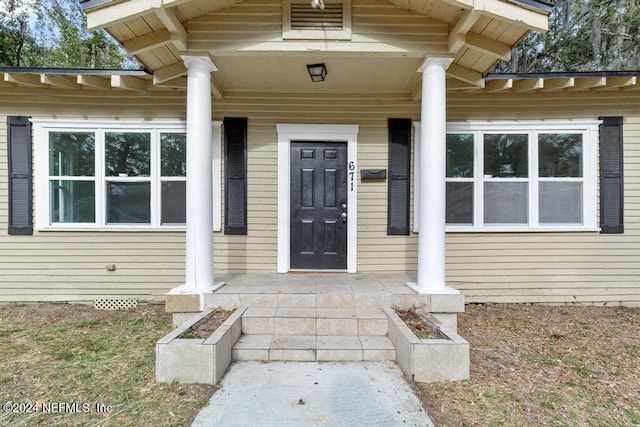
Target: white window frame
{"type": "Point", "coordinates": [589, 131]}
{"type": "Point", "coordinates": [41, 129]}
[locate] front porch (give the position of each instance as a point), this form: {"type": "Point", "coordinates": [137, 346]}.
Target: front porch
{"type": "Point", "coordinates": [337, 317]}
{"type": "Point", "coordinates": [321, 290]}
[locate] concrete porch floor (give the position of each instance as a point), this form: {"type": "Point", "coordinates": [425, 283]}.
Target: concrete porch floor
{"type": "Point", "coordinates": [328, 290]}
{"type": "Point", "coordinates": [316, 282]}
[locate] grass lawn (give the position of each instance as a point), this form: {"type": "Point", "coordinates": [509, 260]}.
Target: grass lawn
{"type": "Point", "coordinates": [530, 366]}
{"type": "Point", "coordinates": [537, 365]}
{"type": "Point", "coordinates": [77, 362]}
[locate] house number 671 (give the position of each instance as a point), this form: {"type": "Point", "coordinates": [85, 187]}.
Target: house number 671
{"type": "Point", "coordinates": [352, 175]}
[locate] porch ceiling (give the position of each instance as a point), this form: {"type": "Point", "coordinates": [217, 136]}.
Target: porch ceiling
{"type": "Point", "coordinates": [269, 73]}
{"type": "Point", "coordinates": [476, 34]}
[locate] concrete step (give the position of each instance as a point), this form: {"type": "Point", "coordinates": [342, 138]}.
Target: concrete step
{"type": "Point", "coordinates": [314, 321]}
{"type": "Point", "coordinates": [310, 348]}
{"type": "Point", "coordinates": [251, 297]}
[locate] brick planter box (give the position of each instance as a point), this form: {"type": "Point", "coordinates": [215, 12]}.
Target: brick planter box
{"type": "Point", "coordinates": [429, 360]}
{"type": "Point", "coordinates": [194, 360]}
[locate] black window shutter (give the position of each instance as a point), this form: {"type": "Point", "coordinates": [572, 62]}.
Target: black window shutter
{"type": "Point", "coordinates": [235, 173]}
{"type": "Point", "coordinates": [399, 173]}
{"type": "Point", "coordinates": [611, 176]}
{"type": "Point", "coordinates": [19, 165]}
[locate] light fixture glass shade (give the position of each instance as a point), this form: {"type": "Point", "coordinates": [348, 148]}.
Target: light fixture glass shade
{"type": "Point", "coordinates": [318, 72]}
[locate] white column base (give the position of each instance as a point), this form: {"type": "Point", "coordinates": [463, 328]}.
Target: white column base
{"type": "Point", "coordinates": [447, 290]}
{"type": "Point", "coordinates": [186, 289]}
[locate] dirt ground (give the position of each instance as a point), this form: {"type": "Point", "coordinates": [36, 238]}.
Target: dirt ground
{"type": "Point", "coordinates": [539, 365]}
{"type": "Point", "coordinates": [530, 366]}
{"type": "Point", "coordinates": [64, 364]}
{"type": "Point", "coordinates": [208, 326]}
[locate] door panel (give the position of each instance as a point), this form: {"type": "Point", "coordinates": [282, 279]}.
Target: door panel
{"type": "Point", "coordinates": [318, 205]}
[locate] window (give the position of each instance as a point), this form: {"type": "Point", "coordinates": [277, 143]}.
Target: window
{"type": "Point", "coordinates": [72, 188]}
{"type": "Point", "coordinates": [173, 178]}
{"type": "Point", "coordinates": [460, 173]}
{"type": "Point", "coordinates": [112, 175]}
{"type": "Point", "coordinates": [506, 178]}
{"type": "Point", "coordinates": [128, 177]}
{"type": "Point", "coordinates": [521, 176]}
{"type": "Point", "coordinates": [560, 177]}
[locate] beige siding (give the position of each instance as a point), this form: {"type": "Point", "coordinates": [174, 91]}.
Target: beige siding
{"type": "Point", "coordinates": [498, 267]}
{"type": "Point", "coordinates": [70, 266]}
{"type": "Point", "coordinates": [553, 267]}
{"type": "Point", "coordinates": [253, 22]}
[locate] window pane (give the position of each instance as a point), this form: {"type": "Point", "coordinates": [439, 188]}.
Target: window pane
{"type": "Point", "coordinates": [460, 203]}
{"type": "Point", "coordinates": [560, 203]}
{"type": "Point", "coordinates": [505, 203]}
{"type": "Point", "coordinates": [460, 156]}
{"type": "Point", "coordinates": [72, 201]}
{"type": "Point", "coordinates": [560, 155]}
{"type": "Point", "coordinates": [128, 202]}
{"type": "Point", "coordinates": [174, 197]}
{"type": "Point", "coordinates": [506, 155]}
{"type": "Point", "coordinates": [128, 154]}
{"type": "Point", "coordinates": [173, 154]}
{"type": "Point", "coordinates": [71, 154]}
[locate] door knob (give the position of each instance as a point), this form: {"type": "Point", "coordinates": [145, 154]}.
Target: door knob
{"type": "Point", "coordinates": [344, 217]}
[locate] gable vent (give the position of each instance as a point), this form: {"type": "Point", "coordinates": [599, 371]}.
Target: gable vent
{"type": "Point", "coordinates": [305, 17]}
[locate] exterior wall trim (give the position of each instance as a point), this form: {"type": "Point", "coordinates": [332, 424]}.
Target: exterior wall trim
{"type": "Point", "coordinates": [589, 127]}
{"type": "Point", "coordinates": [41, 167]}
{"type": "Point", "coordinates": [314, 132]}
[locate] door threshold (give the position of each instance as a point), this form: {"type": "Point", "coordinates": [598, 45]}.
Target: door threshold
{"type": "Point", "coordinates": [303, 271]}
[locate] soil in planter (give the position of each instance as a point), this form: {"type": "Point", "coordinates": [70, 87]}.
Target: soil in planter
{"type": "Point", "coordinates": [420, 327]}
{"type": "Point", "coordinates": [207, 326]}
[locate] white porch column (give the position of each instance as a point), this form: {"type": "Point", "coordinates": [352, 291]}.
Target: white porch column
{"type": "Point", "coordinates": [432, 164]}
{"type": "Point", "coordinates": [199, 210]}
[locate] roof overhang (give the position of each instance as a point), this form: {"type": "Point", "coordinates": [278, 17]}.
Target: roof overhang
{"type": "Point", "coordinates": [142, 81]}
{"type": "Point", "coordinates": [76, 78]}
{"type": "Point", "coordinates": [478, 33]}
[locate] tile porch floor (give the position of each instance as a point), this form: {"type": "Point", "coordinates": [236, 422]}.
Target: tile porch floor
{"type": "Point", "coordinates": [319, 290]}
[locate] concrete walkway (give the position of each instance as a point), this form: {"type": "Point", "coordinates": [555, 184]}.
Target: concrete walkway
{"type": "Point", "coordinates": [313, 394]}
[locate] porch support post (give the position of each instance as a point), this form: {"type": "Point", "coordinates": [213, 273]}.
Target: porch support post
{"type": "Point", "coordinates": [432, 164]}
{"type": "Point", "coordinates": [199, 277]}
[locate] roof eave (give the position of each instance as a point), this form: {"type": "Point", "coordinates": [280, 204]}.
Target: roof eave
{"type": "Point", "coordinates": [90, 4]}
{"type": "Point", "coordinates": [543, 6]}
{"type": "Point", "coordinates": [561, 74]}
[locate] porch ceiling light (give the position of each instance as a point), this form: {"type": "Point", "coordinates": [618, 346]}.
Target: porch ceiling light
{"type": "Point", "coordinates": [318, 72]}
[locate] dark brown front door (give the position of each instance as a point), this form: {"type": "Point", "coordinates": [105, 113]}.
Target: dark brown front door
{"type": "Point", "coordinates": [318, 205]}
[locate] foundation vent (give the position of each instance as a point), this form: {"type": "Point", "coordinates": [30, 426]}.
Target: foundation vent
{"type": "Point", "coordinates": [115, 303]}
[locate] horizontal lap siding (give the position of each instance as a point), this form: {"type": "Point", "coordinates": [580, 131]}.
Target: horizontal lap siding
{"type": "Point", "coordinates": [264, 113]}
{"type": "Point", "coordinates": [254, 22]}
{"type": "Point", "coordinates": [376, 250]}
{"type": "Point", "coordinates": [553, 267]}
{"type": "Point", "coordinates": [486, 267]}
{"type": "Point", "coordinates": [71, 266]}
